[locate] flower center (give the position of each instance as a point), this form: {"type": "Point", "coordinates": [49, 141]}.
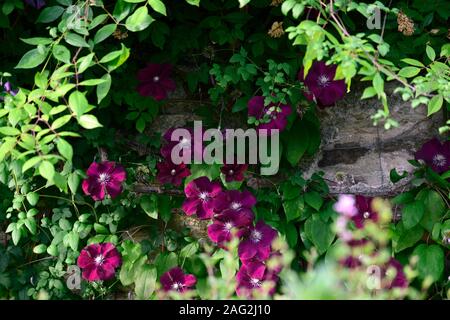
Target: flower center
{"type": "Point", "coordinates": [256, 283]}
{"type": "Point", "coordinates": [155, 79]}
{"type": "Point", "coordinates": [228, 226]}
{"type": "Point", "coordinates": [366, 215]}
{"type": "Point", "coordinates": [230, 172]}
{"type": "Point", "coordinates": [173, 172]}
{"type": "Point", "coordinates": [235, 205]}
{"type": "Point", "coordinates": [323, 81]}
{"type": "Point", "coordinates": [256, 236]}
{"type": "Point", "coordinates": [203, 196]}
{"type": "Point", "coordinates": [439, 160]}
{"type": "Point", "coordinates": [103, 178]}
{"type": "Point", "coordinates": [99, 259]}
{"type": "Point", "coordinates": [177, 286]}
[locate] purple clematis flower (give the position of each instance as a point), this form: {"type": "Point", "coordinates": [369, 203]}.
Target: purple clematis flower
{"type": "Point", "coordinates": [8, 89]}
{"type": "Point", "coordinates": [176, 280]}
{"type": "Point", "coordinates": [257, 242]}
{"type": "Point", "coordinates": [234, 172]}
{"type": "Point", "coordinates": [365, 211]}
{"type": "Point", "coordinates": [186, 144]}
{"type": "Point", "coordinates": [234, 200]}
{"type": "Point", "coordinates": [200, 194]}
{"type": "Point", "coordinates": [436, 155]}
{"type": "Point", "coordinates": [171, 173]}
{"type": "Point", "coordinates": [155, 81]}
{"type": "Point", "coordinates": [268, 117]}
{"type": "Point", "coordinates": [228, 224]}
{"type": "Point", "coordinates": [351, 262]}
{"type": "Point", "coordinates": [399, 281]}
{"type": "Point", "coordinates": [38, 4]}
{"type": "Point", "coordinates": [99, 261]}
{"type": "Point", "coordinates": [320, 85]}
{"type": "Point", "coordinates": [346, 205]}
{"type": "Point", "coordinates": [251, 277]}
{"type": "Point", "coordinates": [104, 178]}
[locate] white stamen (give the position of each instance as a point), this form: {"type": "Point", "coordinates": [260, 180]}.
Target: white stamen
{"type": "Point", "coordinates": [99, 259]}
{"type": "Point", "coordinates": [439, 160]}
{"type": "Point", "coordinates": [230, 172]}
{"type": "Point", "coordinates": [228, 226]}
{"type": "Point", "coordinates": [203, 195]}
{"type": "Point", "coordinates": [103, 178]}
{"type": "Point", "coordinates": [177, 286]}
{"type": "Point", "coordinates": [256, 236]}
{"type": "Point", "coordinates": [173, 172]}
{"type": "Point", "coordinates": [255, 282]}
{"type": "Point", "coordinates": [323, 80]}
{"type": "Point", "coordinates": [366, 215]}
{"type": "Point", "coordinates": [235, 205]}
{"type": "Point", "coordinates": [155, 79]}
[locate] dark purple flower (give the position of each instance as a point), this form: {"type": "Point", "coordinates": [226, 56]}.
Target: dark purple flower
{"type": "Point", "coordinates": [233, 172]}
{"type": "Point", "coordinates": [351, 262]}
{"type": "Point", "coordinates": [272, 116]}
{"type": "Point", "coordinates": [99, 261]}
{"type": "Point", "coordinates": [399, 280]}
{"type": "Point", "coordinates": [251, 277]}
{"type": "Point", "coordinates": [171, 173]}
{"type": "Point", "coordinates": [257, 242]}
{"type": "Point", "coordinates": [176, 280]}
{"type": "Point", "coordinates": [321, 86]}
{"type": "Point", "coordinates": [237, 201]}
{"type": "Point", "coordinates": [200, 194]}
{"type": "Point", "coordinates": [365, 211]}
{"type": "Point", "coordinates": [228, 224]}
{"type": "Point", "coordinates": [104, 178]}
{"type": "Point", "coordinates": [436, 155]}
{"type": "Point", "coordinates": [186, 144]}
{"type": "Point", "coordinates": [38, 4]}
{"type": "Point", "coordinates": [155, 81]}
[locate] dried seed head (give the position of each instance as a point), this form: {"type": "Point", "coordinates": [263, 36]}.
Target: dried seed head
{"type": "Point", "coordinates": [276, 30]}
{"type": "Point", "coordinates": [276, 3]}
{"type": "Point", "coordinates": [119, 35]}
{"type": "Point", "coordinates": [405, 24]}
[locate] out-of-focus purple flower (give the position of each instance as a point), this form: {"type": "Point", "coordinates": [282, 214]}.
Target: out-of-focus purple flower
{"type": "Point", "coordinates": [251, 277]}
{"type": "Point", "coordinates": [104, 178]}
{"type": "Point", "coordinates": [233, 172]}
{"type": "Point", "coordinates": [200, 194]}
{"type": "Point", "coordinates": [38, 4]}
{"type": "Point", "coordinates": [436, 155]}
{"type": "Point", "coordinates": [399, 281]}
{"type": "Point", "coordinates": [237, 201]}
{"type": "Point", "coordinates": [186, 143]}
{"type": "Point", "coordinates": [268, 117]}
{"type": "Point", "coordinates": [346, 205]}
{"type": "Point", "coordinates": [257, 242]}
{"type": "Point", "coordinates": [351, 262]}
{"type": "Point", "coordinates": [155, 81]}
{"type": "Point", "coordinates": [365, 211]}
{"type": "Point", "coordinates": [99, 261]}
{"type": "Point", "coordinates": [321, 86]}
{"type": "Point", "coordinates": [8, 89]}
{"type": "Point", "coordinates": [176, 280]}
{"type": "Point", "coordinates": [226, 225]}
{"type": "Point", "coordinates": [171, 173]}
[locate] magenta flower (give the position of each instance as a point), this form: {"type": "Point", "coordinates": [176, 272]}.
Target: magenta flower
{"type": "Point", "coordinates": [228, 224]}
{"type": "Point", "coordinates": [365, 211]}
{"type": "Point", "coordinates": [257, 242]}
{"type": "Point", "coordinates": [103, 179]}
{"type": "Point", "coordinates": [346, 205]}
{"type": "Point", "coordinates": [99, 261]}
{"type": "Point", "coordinates": [171, 173]}
{"type": "Point", "coordinates": [251, 277]}
{"type": "Point", "coordinates": [268, 117]}
{"type": "Point", "coordinates": [321, 86]}
{"type": "Point", "coordinates": [38, 4]}
{"type": "Point", "coordinates": [350, 262]}
{"type": "Point", "coordinates": [234, 172]}
{"type": "Point", "coordinates": [436, 155]}
{"type": "Point", "coordinates": [186, 144]}
{"type": "Point", "coordinates": [155, 81]}
{"type": "Point", "coordinates": [200, 194]}
{"type": "Point", "coordinates": [399, 281]}
{"type": "Point", "coordinates": [8, 89]}
{"type": "Point", "coordinates": [237, 201]}
{"type": "Point", "coordinates": [176, 280]}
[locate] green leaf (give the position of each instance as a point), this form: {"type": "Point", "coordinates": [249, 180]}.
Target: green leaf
{"type": "Point", "coordinates": [408, 238]}
{"type": "Point", "coordinates": [378, 83]}
{"type": "Point", "coordinates": [320, 234]}
{"type": "Point", "coordinates": [435, 104]}
{"type": "Point", "coordinates": [76, 40]}
{"type": "Point", "coordinates": [294, 208]}
{"type": "Point", "coordinates": [412, 214]}
{"type": "Point", "coordinates": [413, 62]}
{"type": "Point", "coordinates": [33, 198]}
{"type": "Point", "coordinates": [242, 3]}
{"type": "Point", "coordinates": [195, 2]}
{"type": "Point", "coordinates": [30, 163]}
{"type": "Point", "coordinates": [158, 6]}
{"type": "Point", "coordinates": [73, 181]}
{"type": "Point", "coordinates": [50, 14]}
{"type": "Point", "coordinates": [9, 131]}
{"type": "Point", "coordinates": [434, 209]}
{"type": "Point", "coordinates": [58, 123]}
{"type": "Point", "coordinates": [40, 248]}
{"type": "Point", "coordinates": [47, 170]}
{"type": "Point", "coordinates": [89, 121]}
{"type": "Point", "coordinates": [145, 282]}
{"type": "Point", "coordinates": [409, 72]}
{"type": "Point", "coordinates": [91, 82]}
{"type": "Point", "coordinates": [73, 239]}
{"type": "Point", "coordinates": [61, 53]}
{"type": "Point", "coordinates": [85, 62]}
{"type": "Point", "coordinates": [32, 59]}
{"type": "Point", "coordinates": [368, 93]}
{"type": "Point", "coordinates": [431, 261]}
{"type": "Point", "coordinates": [65, 149]}
{"type": "Point", "coordinates": [37, 41]}
{"type": "Point", "coordinates": [6, 147]}
{"type": "Point", "coordinates": [430, 53]}
{"type": "Point", "coordinates": [78, 103]}
{"type": "Point", "coordinates": [104, 32]}
{"type": "Point", "coordinates": [297, 142]}
{"type": "Point", "coordinates": [150, 206]}
{"type": "Point", "coordinates": [139, 20]}
{"type": "Point", "coordinates": [314, 199]}
{"type": "Point", "coordinates": [104, 87]}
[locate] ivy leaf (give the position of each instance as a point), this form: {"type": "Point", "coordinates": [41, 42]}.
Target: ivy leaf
{"type": "Point", "coordinates": [139, 20]}
{"type": "Point", "coordinates": [32, 59]}
{"type": "Point", "coordinates": [431, 261]}
{"type": "Point", "coordinates": [320, 234]}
